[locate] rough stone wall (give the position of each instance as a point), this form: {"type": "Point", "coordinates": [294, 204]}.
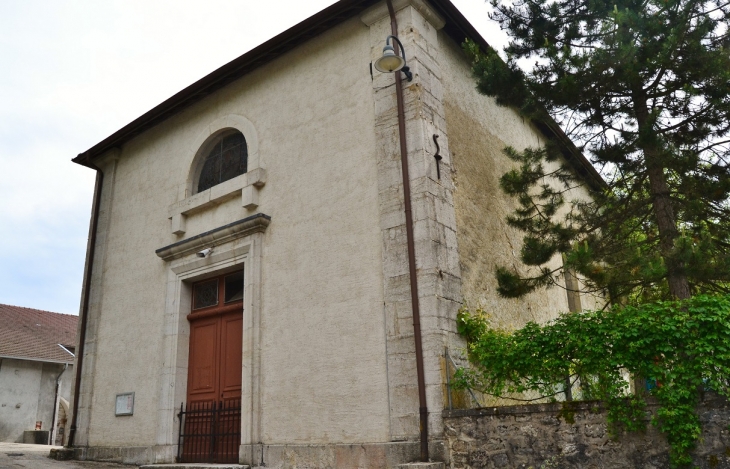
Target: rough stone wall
{"type": "Point", "coordinates": [479, 130]}
{"type": "Point", "coordinates": [575, 437]}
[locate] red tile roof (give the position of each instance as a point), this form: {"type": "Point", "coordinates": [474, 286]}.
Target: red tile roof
{"type": "Point", "coordinates": [35, 334]}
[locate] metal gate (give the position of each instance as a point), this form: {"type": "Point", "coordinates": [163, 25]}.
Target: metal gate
{"type": "Point", "coordinates": [210, 432]}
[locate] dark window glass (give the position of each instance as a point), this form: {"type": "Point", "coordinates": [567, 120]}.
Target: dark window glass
{"type": "Point", "coordinates": [227, 159]}
{"type": "Point", "coordinates": [234, 287]}
{"type": "Point", "coordinates": [205, 294]}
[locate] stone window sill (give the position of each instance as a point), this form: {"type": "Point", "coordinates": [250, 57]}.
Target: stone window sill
{"type": "Point", "coordinates": [246, 186]}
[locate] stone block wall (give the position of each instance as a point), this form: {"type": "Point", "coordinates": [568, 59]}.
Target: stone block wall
{"type": "Point", "coordinates": [574, 437]}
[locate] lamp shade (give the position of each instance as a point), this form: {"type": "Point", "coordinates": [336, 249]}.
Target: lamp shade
{"type": "Point", "coordinates": [389, 62]}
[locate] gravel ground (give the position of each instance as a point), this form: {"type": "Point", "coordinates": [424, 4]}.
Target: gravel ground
{"type": "Point", "coordinates": [17, 455]}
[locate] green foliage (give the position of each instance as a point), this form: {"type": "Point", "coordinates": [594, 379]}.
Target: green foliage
{"type": "Point", "coordinates": [644, 88]}
{"type": "Point", "coordinates": [684, 346]}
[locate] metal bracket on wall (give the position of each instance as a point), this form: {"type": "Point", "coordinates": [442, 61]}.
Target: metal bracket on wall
{"type": "Point", "coordinates": [437, 157]}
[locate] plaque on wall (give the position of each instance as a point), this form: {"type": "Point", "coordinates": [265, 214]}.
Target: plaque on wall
{"type": "Point", "coordinates": [125, 404]}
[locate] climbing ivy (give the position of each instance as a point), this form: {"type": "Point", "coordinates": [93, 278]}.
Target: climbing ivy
{"type": "Point", "coordinates": [681, 347]}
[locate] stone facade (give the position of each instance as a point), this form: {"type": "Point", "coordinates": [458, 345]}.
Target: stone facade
{"type": "Point", "coordinates": [574, 436]}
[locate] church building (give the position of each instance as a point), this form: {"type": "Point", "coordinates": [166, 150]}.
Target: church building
{"type": "Point", "coordinates": [278, 252]}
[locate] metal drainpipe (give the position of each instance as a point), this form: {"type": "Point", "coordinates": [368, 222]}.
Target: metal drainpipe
{"type": "Point", "coordinates": [87, 295]}
{"type": "Point", "coordinates": [423, 408]}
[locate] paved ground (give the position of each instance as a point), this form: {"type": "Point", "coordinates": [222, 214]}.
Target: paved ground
{"type": "Point", "coordinates": [17, 456]}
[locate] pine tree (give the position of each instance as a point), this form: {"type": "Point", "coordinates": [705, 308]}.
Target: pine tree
{"type": "Point", "coordinates": [644, 88]}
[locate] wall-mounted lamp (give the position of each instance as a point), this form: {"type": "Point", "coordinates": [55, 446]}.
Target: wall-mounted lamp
{"type": "Point", "coordinates": [390, 62]}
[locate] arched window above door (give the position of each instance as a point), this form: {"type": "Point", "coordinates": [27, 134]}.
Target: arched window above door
{"type": "Point", "coordinates": [223, 162]}
{"type": "Point", "coordinates": [227, 158]}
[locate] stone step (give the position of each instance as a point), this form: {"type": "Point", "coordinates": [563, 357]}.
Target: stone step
{"type": "Point", "coordinates": [61, 454]}
{"type": "Point", "coordinates": [422, 465]}
{"type": "Point", "coordinates": [413, 465]}
{"type": "Point", "coordinates": [194, 466]}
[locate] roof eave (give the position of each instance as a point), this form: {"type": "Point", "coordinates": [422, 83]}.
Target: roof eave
{"type": "Point", "coordinates": [36, 359]}
{"type": "Point", "coordinates": [457, 27]}
{"type": "Point", "coordinates": [264, 53]}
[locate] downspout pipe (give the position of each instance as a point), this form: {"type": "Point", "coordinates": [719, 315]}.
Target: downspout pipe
{"type": "Point", "coordinates": [423, 408]}
{"type": "Point", "coordinates": [87, 295]}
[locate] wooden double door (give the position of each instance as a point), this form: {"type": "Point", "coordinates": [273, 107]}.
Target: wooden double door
{"type": "Point", "coordinates": [212, 422]}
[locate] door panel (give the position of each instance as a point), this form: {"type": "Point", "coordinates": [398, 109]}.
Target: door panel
{"type": "Point", "coordinates": [203, 374]}
{"type": "Point", "coordinates": [231, 349]}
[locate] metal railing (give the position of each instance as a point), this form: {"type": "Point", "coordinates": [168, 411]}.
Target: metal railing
{"type": "Point", "coordinates": [210, 432]}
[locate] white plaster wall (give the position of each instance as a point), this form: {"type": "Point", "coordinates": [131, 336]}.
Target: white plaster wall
{"type": "Point", "coordinates": [27, 390]}
{"type": "Point", "coordinates": [46, 394]}
{"type": "Point", "coordinates": [20, 383]}
{"type": "Point", "coordinates": [322, 332]}
{"type": "Point", "coordinates": [478, 131]}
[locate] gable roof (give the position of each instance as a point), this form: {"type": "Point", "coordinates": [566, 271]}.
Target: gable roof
{"type": "Point", "coordinates": [33, 334]}
{"type": "Point", "coordinates": [457, 27]}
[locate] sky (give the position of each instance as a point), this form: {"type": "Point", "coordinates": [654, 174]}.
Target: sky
{"type": "Point", "coordinates": [72, 72]}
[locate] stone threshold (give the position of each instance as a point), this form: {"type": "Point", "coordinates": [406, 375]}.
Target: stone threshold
{"type": "Point", "coordinates": [193, 466]}
{"type": "Point", "coordinates": [414, 465]}
{"type": "Point", "coordinates": [422, 465]}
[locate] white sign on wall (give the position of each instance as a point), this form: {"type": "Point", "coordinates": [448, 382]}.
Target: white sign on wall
{"type": "Point", "coordinates": [125, 404]}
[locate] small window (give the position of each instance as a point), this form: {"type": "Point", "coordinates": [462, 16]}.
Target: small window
{"type": "Point", "coordinates": [228, 158]}
{"type": "Point", "coordinates": [234, 287]}
{"type": "Point", "coordinates": [205, 294]}
{"type": "Point", "coordinates": [217, 292]}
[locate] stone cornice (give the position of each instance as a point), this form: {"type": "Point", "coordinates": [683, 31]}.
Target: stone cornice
{"type": "Point", "coordinates": [238, 229]}
{"type": "Point", "coordinates": [380, 11]}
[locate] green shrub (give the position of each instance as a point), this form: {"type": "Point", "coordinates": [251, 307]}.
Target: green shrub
{"type": "Point", "coordinates": [683, 346]}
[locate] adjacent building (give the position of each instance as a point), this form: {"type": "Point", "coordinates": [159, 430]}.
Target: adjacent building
{"type": "Point", "coordinates": [36, 374]}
